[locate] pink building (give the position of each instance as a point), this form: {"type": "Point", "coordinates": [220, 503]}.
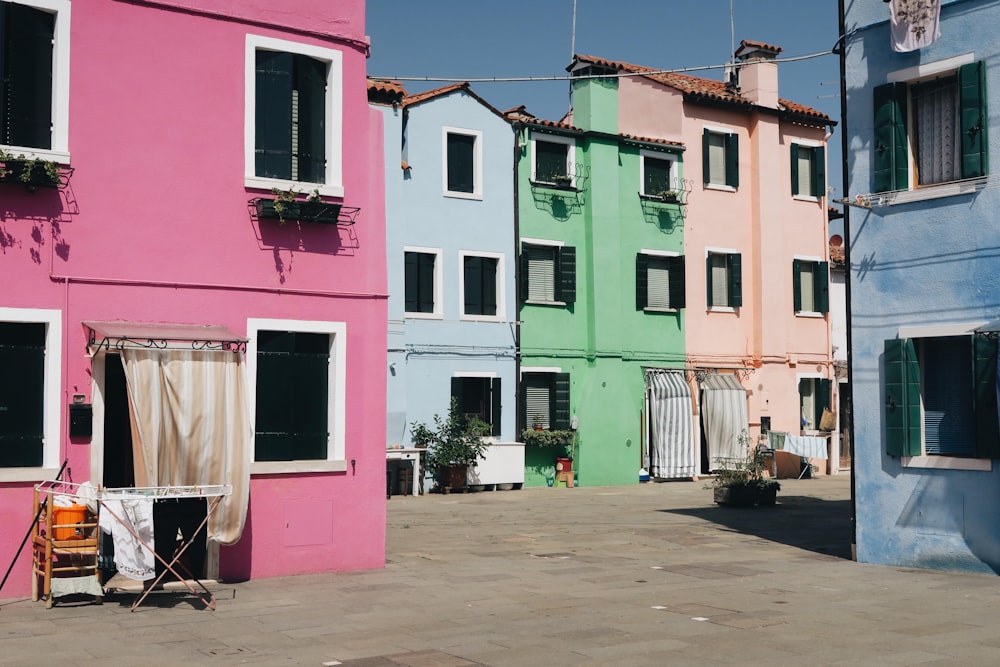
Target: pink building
{"type": "Point", "coordinates": [199, 327]}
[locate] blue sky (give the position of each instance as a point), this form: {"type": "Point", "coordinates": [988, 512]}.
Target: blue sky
{"type": "Point", "coordinates": [469, 39]}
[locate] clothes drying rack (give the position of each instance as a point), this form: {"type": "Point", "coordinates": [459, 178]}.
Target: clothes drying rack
{"type": "Point", "coordinates": [213, 493]}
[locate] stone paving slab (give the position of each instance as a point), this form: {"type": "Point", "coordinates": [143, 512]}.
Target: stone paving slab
{"type": "Point", "coordinates": [653, 574]}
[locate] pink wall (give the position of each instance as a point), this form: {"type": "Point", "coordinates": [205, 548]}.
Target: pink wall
{"type": "Point", "coordinates": [155, 227]}
{"type": "Point", "coordinates": [763, 222]}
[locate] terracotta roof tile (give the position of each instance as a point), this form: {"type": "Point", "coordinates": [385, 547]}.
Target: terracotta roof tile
{"type": "Point", "coordinates": [763, 46]}
{"type": "Point", "coordinates": [417, 98]}
{"type": "Point", "coordinates": [385, 91]}
{"type": "Point", "coordinates": [699, 88]}
{"type": "Point", "coordinates": [650, 140]}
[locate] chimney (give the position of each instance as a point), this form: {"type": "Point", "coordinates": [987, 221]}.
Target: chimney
{"type": "Point", "coordinates": [758, 72]}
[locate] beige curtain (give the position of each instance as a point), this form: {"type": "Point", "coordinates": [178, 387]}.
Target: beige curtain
{"type": "Point", "coordinates": [190, 426]}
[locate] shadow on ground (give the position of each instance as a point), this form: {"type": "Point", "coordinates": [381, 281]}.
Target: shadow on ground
{"type": "Point", "coordinates": [813, 524]}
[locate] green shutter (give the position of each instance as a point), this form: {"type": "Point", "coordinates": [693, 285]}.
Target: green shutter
{"type": "Point", "coordinates": [22, 394]}
{"type": "Point", "coordinates": [489, 285]}
{"type": "Point", "coordinates": [560, 408]}
{"type": "Point", "coordinates": [461, 162]}
{"type": "Point", "coordinates": [473, 273]}
{"type": "Point", "coordinates": [566, 289]}
{"type": "Point", "coordinates": [456, 393]}
{"type": "Point", "coordinates": [733, 160]}
{"type": "Point", "coordinates": [522, 278]}
{"type": "Point", "coordinates": [821, 279]}
{"type": "Point", "coordinates": [425, 282]}
{"type": "Point", "coordinates": [706, 170]}
{"type": "Point", "coordinates": [496, 404]}
{"type": "Point", "coordinates": [677, 284]}
{"type": "Point", "coordinates": [903, 431]}
{"type": "Point", "coordinates": [819, 171]}
{"type": "Point", "coordinates": [891, 166]}
{"type": "Point", "coordinates": [972, 107]}
{"type": "Point", "coordinates": [310, 82]}
{"type": "Point", "coordinates": [273, 115]}
{"type": "Point", "coordinates": [26, 36]}
{"type": "Point", "coordinates": [708, 279]}
{"type": "Point", "coordinates": [822, 396]}
{"type": "Point", "coordinates": [735, 267]}
{"type": "Point", "coordinates": [984, 398]}
{"type": "Point", "coordinates": [411, 282]}
{"type": "Point", "coordinates": [795, 169]}
{"type": "Point", "coordinates": [641, 281]}
{"type": "Point", "coordinates": [797, 284]}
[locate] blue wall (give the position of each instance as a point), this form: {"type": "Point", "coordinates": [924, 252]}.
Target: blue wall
{"type": "Point", "coordinates": [922, 264]}
{"type": "Point", "coordinates": [424, 354]}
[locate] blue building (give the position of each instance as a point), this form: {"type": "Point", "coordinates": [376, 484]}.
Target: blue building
{"type": "Point", "coordinates": [924, 252]}
{"type": "Point", "coordinates": [451, 263]}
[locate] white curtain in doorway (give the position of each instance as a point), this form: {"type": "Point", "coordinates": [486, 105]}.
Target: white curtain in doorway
{"type": "Point", "coordinates": [672, 452]}
{"type": "Point", "coordinates": [724, 418]}
{"type": "Point", "coordinates": [191, 426]}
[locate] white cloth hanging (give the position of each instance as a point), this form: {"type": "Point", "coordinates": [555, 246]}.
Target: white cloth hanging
{"type": "Point", "coordinates": [672, 454]}
{"type": "Point", "coordinates": [132, 559]}
{"type": "Point", "coordinates": [914, 24]}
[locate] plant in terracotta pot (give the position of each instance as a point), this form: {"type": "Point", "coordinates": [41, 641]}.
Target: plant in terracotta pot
{"type": "Point", "coordinates": [742, 483]}
{"type": "Point", "coordinates": [453, 444]}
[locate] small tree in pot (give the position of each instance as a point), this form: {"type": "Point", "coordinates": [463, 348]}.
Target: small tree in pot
{"type": "Point", "coordinates": [453, 444]}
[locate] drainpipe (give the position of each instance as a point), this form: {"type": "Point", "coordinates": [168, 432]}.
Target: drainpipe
{"type": "Point", "coordinates": [849, 406]}
{"type": "Point", "coordinates": [518, 127]}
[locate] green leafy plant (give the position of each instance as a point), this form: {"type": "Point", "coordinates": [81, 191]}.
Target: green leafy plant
{"type": "Point", "coordinates": [453, 440]}
{"type": "Point", "coordinates": [287, 205]}
{"type": "Point", "coordinates": [549, 438]}
{"type": "Point", "coordinates": [747, 472]}
{"type": "Point", "coordinates": [30, 172]}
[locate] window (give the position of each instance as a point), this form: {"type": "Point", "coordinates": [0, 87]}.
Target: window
{"type": "Point", "coordinates": [657, 177]}
{"type": "Point", "coordinates": [478, 397]}
{"type": "Point", "coordinates": [423, 282]}
{"type": "Point", "coordinates": [298, 395]}
{"type": "Point", "coordinates": [940, 397]}
{"type": "Point", "coordinates": [293, 116]}
{"type": "Point", "coordinates": [545, 399]}
{"type": "Point", "coordinates": [808, 171]}
{"type": "Point", "coordinates": [548, 274]}
{"type": "Point", "coordinates": [482, 286]}
{"type": "Point", "coordinates": [725, 283]}
{"type": "Point", "coordinates": [659, 282]}
{"type": "Point", "coordinates": [814, 395]}
{"type": "Point", "coordinates": [930, 126]}
{"type": "Point", "coordinates": [720, 158]}
{"type": "Point", "coordinates": [810, 286]}
{"type": "Point", "coordinates": [462, 163]}
{"type": "Point", "coordinates": [553, 161]}
{"type": "Point", "coordinates": [34, 77]}
{"type": "Point", "coordinates": [30, 403]}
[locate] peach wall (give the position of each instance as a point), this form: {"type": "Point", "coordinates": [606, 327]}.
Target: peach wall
{"type": "Point", "coordinates": [155, 227]}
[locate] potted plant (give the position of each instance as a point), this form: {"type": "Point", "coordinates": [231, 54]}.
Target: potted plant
{"type": "Point", "coordinates": [559, 442]}
{"type": "Point", "coordinates": [742, 483]}
{"type": "Point", "coordinates": [30, 172]}
{"type": "Point", "coordinates": [537, 422]}
{"type": "Point", "coordinates": [453, 444]}
{"type": "Point", "coordinates": [670, 196]}
{"type": "Point", "coordinates": [562, 180]}
{"type": "Point", "coordinates": [286, 205]}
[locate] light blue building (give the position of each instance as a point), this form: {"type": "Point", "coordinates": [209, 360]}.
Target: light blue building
{"type": "Point", "coordinates": [451, 263]}
{"type": "Point", "coordinates": [924, 252]}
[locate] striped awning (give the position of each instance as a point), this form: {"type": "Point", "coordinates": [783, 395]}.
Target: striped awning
{"type": "Point", "coordinates": [672, 452]}
{"type": "Point", "coordinates": [725, 418]}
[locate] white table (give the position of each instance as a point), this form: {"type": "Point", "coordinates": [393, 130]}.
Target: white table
{"type": "Point", "coordinates": [409, 454]}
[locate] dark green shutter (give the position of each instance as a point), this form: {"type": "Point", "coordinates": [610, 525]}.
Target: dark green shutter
{"type": "Point", "coordinates": [822, 396]}
{"type": "Point", "coordinates": [461, 162]}
{"type": "Point", "coordinates": [984, 398]}
{"type": "Point", "coordinates": [22, 394]}
{"type": "Point", "coordinates": [489, 285]}
{"type": "Point", "coordinates": [735, 265]}
{"type": "Point", "coordinates": [495, 406]}
{"type": "Point", "coordinates": [677, 284]}
{"type": "Point", "coordinates": [473, 269]}
{"type": "Point", "coordinates": [795, 169]}
{"type": "Point", "coordinates": [818, 171]}
{"type": "Point", "coordinates": [560, 407]}
{"type": "Point", "coordinates": [426, 282]}
{"type": "Point", "coordinates": [273, 115]}
{"type": "Point", "coordinates": [708, 279]}
{"type": "Point", "coordinates": [903, 431]}
{"type": "Point", "coordinates": [310, 81]}
{"type": "Point", "coordinates": [641, 281]}
{"type": "Point", "coordinates": [891, 167]}
{"type": "Point", "coordinates": [705, 161]}
{"type": "Point", "coordinates": [411, 282]}
{"type": "Point", "coordinates": [797, 284]}
{"type": "Point", "coordinates": [26, 36]}
{"type": "Point", "coordinates": [821, 279]}
{"type": "Point", "coordinates": [972, 106]}
{"type": "Point", "coordinates": [733, 160]}
{"type": "Point", "coordinates": [456, 393]}
{"type": "Point", "coordinates": [566, 289]}
{"type": "Point", "coordinates": [522, 279]}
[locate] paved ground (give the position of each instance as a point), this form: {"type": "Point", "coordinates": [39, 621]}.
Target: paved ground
{"type": "Point", "coordinates": [646, 575]}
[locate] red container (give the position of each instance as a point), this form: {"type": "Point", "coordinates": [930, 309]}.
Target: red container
{"type": "Point", "coordinates": [564, 464]}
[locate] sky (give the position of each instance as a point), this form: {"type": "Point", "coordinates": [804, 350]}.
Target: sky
{"type": "Point", "coordinates": [473, 39]}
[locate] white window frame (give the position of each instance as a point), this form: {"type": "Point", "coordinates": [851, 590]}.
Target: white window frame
{"type": "Point", "coordinates": [658, 253]}
{"type": "Point", "coordinates": [59, 152]}
{"type": "Point", "coordinates": [555, 278]}
{"type": "Point", "coordinates": [482, 374]}
{"type": "Point", "coordinates": [815, 261]}
{"type": "Point", "coordinates": [333, 185]}
{"type": "Point", "coordinates": [570, 144]}
{"type": "Point", "coordinates": [438, 312]}
{"type": "Point", "coordinates": [336, 450]}
{"type": "Point", "coordinates": [722, 187]}
{"type": "Point", "coordinates": [799, 377]}
{"type": "Point", "coordinates": [52, 408]}
{"type": "Point", "coordinates": [712, 250]}
{"type": "Point", "coordinates": [501, 315]}
{"type": "Point", "coordinates": [477, 163]}
{"type": "Point", "coordinates": [657, 155]}
{"type": "Point", "coordinates": [936, 462]}
{"type": "Point", "coordinates": [811, 144]}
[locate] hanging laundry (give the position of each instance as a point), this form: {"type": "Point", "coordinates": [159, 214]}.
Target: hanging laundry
{"type": "Point", "coordinates": [131, 529]}
{"type": "Point", "coordinates": [914, 23]}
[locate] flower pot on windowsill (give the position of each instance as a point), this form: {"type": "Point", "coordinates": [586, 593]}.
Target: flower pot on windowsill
{"type": "Point", "coordinates": [303, 211]}
{"type": "Point", "coordinates": [32, 174]}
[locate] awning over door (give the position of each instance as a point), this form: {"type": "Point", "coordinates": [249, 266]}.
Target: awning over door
{"type": "Point", "coordinates": [672, 452]}
{"type": "Point", "coordinates": [724, 418]}
{"type": "Point", "coordinates": [162, 336]}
